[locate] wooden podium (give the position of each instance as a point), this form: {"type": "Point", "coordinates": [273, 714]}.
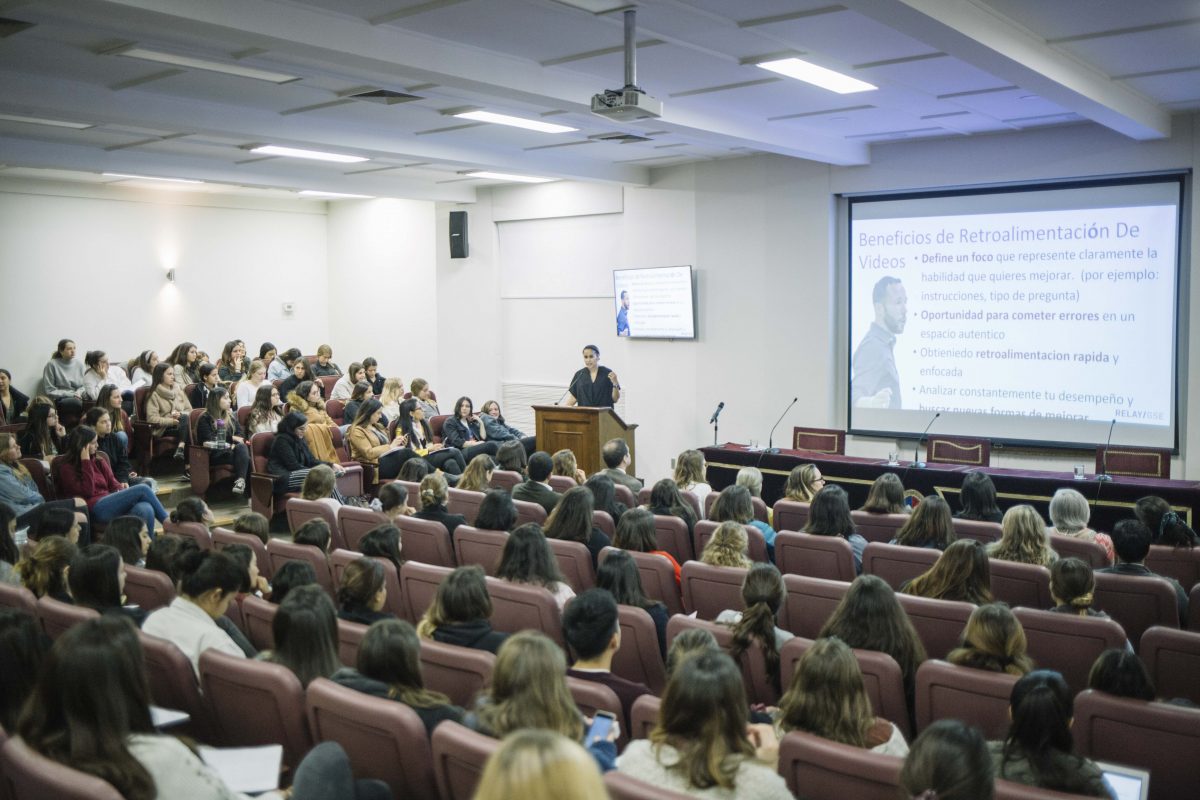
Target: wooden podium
{"type": "Point", "coordinates": [583, 431]}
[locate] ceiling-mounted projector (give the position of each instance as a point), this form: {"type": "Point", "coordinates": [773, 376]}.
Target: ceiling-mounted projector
{"type": "Point", "coordinates": [630, 103]}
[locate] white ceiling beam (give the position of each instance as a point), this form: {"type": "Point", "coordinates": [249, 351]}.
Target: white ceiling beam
{"type": "Point", "coordinates": [973, 32]}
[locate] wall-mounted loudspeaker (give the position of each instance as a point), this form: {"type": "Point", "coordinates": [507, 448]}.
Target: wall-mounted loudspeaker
{"type": "Point", "coordinates": [458, 235]}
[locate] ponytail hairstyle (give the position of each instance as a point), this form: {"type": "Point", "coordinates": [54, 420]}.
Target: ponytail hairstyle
{"type": "Point", "coordinates": [434, 490]}
{"type": "Point", "coordinates": [763, 592]}
{"type": "Point", "coordinates": [91, 360]}
{"type": "Point", "coordinates": [1167, 526]}
{"type": "Point", "coordinates": [62, 345]}
{"type": "Point", "coordinates": [1042, 708]}
{"type": "Point", "coordinates": [993, 640]}
{"type": "Point", "coordinates": [142, 361]}
{"type": "Point", "coordinates": [1072, 583]}
{"type": "Point", "coordinates": [41, 569]}
{"type": "Point", "coordinates": [190, 509]}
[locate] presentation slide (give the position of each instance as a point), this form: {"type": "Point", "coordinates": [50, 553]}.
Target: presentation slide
{"type": "Point", "coordinates": [654, 303]}
{"type": "Point", "coordinates": [1039, 314]}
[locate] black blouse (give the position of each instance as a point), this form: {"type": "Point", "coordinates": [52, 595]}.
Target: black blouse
{"type": "Point", "coordinates": [597, 394]}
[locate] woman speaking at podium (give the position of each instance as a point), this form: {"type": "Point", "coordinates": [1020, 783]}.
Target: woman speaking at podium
{"type": "Point", "coordinates": [593, 385]}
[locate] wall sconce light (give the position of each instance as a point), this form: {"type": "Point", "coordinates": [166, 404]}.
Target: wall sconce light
{"type": "Point", "coordinates": [171, 275]}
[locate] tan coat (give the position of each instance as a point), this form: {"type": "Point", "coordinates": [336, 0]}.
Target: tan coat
{"type": "Point", "coordinates": [318, 437]}
{"type": "Point", "coordinates": [159, 405]}
{"type": "Point", "coordinates": [365, 447]}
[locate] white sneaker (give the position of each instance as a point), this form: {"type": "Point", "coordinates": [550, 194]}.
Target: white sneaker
{"type": "Point", "coordinates": [239, 486]}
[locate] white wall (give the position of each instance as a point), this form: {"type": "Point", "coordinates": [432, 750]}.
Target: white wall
{"type": "Point", "coordinates": [89, 263]}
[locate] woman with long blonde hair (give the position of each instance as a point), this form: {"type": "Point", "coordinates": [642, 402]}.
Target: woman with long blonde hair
{"type": "Point", "coordinates": [477, 477]}
{"type": "Point", "coordinates": [727, 547]}
{"type": "Point", "coordinates": [993, 640]}
{"type": "Point", "coordinates": [690, 474]}
{"type": "Point", "coordinates": [540, 765]}
{"type": "Point", "coordinates": [962, 572]}
{"type": "Point", "coordinates": [391, 397]}
{"type": "Point", "coordinates": [566, 466]}
{"type": "Point", "coordinates": [803, 483]}
{"type": "Point", "coordinates": [1023, 538]}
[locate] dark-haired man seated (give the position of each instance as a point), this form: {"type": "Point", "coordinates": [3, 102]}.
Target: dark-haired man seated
{"type": "Point", "coordinates": [1131, 539]}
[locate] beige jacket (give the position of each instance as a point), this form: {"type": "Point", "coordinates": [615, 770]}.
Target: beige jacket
{"type": "Point", "coordinates": [159, 405]}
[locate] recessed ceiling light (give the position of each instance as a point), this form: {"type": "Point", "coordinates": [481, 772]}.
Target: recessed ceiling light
{"type": "Point", "coordinates": [808, 72]}
{"type": "Point", "coordinates": [516, 122]}
{"type": "Point", "coordinates": [505, 176]}
{"type": "Point", "coordinates": [334, 195]}
{"type": "Point", "coordinates": [57, 123]}
{"type": "Point", "coordinates": [174, 59]}
{"type": "Point", "coordinates": [127, 176]}
{"type": "Point", "coordinates": [296, 152]}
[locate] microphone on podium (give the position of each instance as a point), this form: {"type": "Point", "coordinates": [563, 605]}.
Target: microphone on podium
{"type": "Point", "coordinates": [1104, 476]}
{"type": "Point", "coordinates": [771, 437]}
{"type": "Point", "coordinates": [917, 448]}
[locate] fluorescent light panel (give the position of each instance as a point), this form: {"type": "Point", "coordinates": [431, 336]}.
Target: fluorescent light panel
{"type": "Point", "coordinates": [505, 176]}
{"type": "Point", "coordinates": [808, 72]}
{"type": "Point", "coordinates": [334, 195]}
{"type": "Point", "coordinates": [127, 176]}
{"type": "Point", "coordinates": [174, 59]}
{"type": "Point", "coordinates": [296, 152]}
{"type": "Point", "coordinates": [516, 122]}
{"type": "Point", "coordinates": [56, 123]}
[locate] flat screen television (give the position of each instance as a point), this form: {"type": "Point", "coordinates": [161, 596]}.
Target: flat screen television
{"type": "Point", "coordinates": [655, 303]}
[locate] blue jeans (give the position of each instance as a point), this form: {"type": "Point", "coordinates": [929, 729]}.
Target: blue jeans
{"type": "Point", "coordinates": [137, 500]}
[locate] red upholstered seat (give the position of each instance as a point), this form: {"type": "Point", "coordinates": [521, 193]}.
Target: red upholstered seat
{"type": "Point", "coordinates": [148, 588]}
{"type": "Point", "coordinates": [817, 767]}
{"type": "Point", "coordinates": [643, 716]}
{"type": "Point", "coordinates": [877, 527]}
{"type": "Point", "coordinates": [979, 530]}
{"type": "Point", "coordinates": [710, 499]}
{"type": "Point", "coordinates": [561, 483]}
{"type": "Point", "coordinates": [1068, 644]}
{"type": "Point", "coordinates": [32, 775]}
{"type": "Point", "coordinates": [672, 535]}
{"type": "Point", "coordinates": [204, 472]}
{"type": "Point", "coordinates": [196, 531]}
{"type": "Point", "coordinates": [1025, 585]}
{"type": "Point", "coordinates": [465, 502]}
{"type": "Point", "coordinates": [460, 673]}
{"type": "Point", "coordinates": [625, 495]}
{"type": "Point", "coordinates": [459, 755]}
{"type": "Point", "coordinates": [975, 696]}
{"type": "Point", "coordinates": [808, 603]}
{"type": "Point", "coordinates": [639, 659]}
{"type": "Point", "coordinates": [1180, 563]}
{"type": "Point", "coordinates": [223, 537]}
{"type": "Point", "coordinates": [575, 564]}
{"type": "Point", "coordinates": [1172, 658]}
{"type": "Point", "coordinates": [58, 617]}
{"type": "Point", "coordinates": [477, 546]}
{"type": "Point", "coordinates": [144, 446]}
{"type": "Point", "coordinates": [259, 617]}
{"type": "Point", "coordinates": [529, 512]}
{"type": "Point", "coordinates": [1137, 603]}
{"type": "Point", "coordinates": [419, 583]}
{"type": "Point", "coordinates": [280, 552]}
{"type": "Point", "coordinates": [173, 684]}
{"type": "Point", "coordinates": [590, 697]}
{"type": "Point", "coordinates": [829, 557]}
{"type": "Point", "coordinates": [18, 598]}
{"type": "Point", "coordinates": [517, 607]}
{"type": "Point", "coordinates": [350, 637]}
{"type": "Point", "coordinates": [299, 511]}
{"type": "Point", "coordinates": [355, 523]}
{"type": "Point", "coordinates": [756, 543]}
{"type": "Point", "coordinates": [604, 521]}
{"type": "Point", "coordinates": [1089, 553]}
{"type": "Point", "coordinates": [790, 515]}
{"type": "Point", "coordinates": [939, 623]}
{"type": "Point", "coordinates": [506, 479]}
{"type": "Point", "coordinates": [709, 590]}
{"type": "Point", "coordinates": [427, 541]}
{"type": "Point", "coordinates": [896, 563]}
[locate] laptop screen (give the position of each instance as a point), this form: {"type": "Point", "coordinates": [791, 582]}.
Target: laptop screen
{"type": "Point", "coordinates": [1126, 783]}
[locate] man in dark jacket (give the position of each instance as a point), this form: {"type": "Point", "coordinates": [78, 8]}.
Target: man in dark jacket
{"type": "Point", "coordinates": [536, 488]}
{"type": "Point", "coordinates": [1131, 539]}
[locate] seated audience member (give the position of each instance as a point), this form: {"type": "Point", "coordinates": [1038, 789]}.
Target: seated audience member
{"type": "Point", "coordinates": [209, 380]}
{"type": "Point", "coordinates": [371, 371]}
{"type": "Point", "coordinates": [390, 399]}
{"type": "Point", "coordinates": [234, 363]}
{"type": "Point", "coordinates": [97, 581]}
{"type": "Point", "coordinates": [63, 379]}
{"type": "Point", "coordinates": [319, 485]}
{"type": "Point", "coordinates": [1166, 527]}
{"type": "Point", "coordinates": [253, 582]}
{"type": "Point", "coordinates": [383, 541]}
{"type": "Point", "coordinates": [23, 648]}
{"type": "Point", "coordinates": [12, 402]}
{"type": "Point", "coordinates": [690, 475]}
{"type": "Point", "coordinates": [1131, 540]}
{"type": "Point", "coordinates": [528, 559]}
{"type": "Point", "coordinates": [528, 690]}
{"type": "Point", "coordinates": [165, 552]}
{"type": "Point", "coordinates": [101, 373]}
{"type": "Point", "coordinates": [281, 366]}
{"type": "Point", "coordinates": [636, 532]}
{"type": "Point", "coordinates": [389, 667]}
{"type": "Point", "coordinates": [415, 470]}
{"type": "Point", "coordinates": [393, 501]}
{"type": "Point", "coordinates": [1038, 750]}
{"type": "Point", "coordinates": [536, 486]}
{"type": "Point", "coordinates": [167, 409]}
{"type": "Point", "coordinates": [496, 512]}
{"type": "Point", "coordinates": [948, 761]}
{"type": "Point", "coordinates": [362, 593]}
{"type": "Point", "coordinates": [1072, 587]}
{"type": "Point", "coordinates": [314, 533]}
{"type": "Point", "coordinates": [358, 395]}
{"type": "Point", "coordinates": [141, 369]}
{"type": "Point", "coordinates": [1070, 513]}
{"type": "Point", "coordinates": [57, 522]}
{"type": "Point", "coordinates": [344, 387]}
{"type": "Point", "coordinates": [43, 569]}
{"type": "Point", "coordinates": [466, 431]}
{"type": "Point", "coordinates": [266, 410]}
{"type": "Point", "coordinates": [209, 581]}
{"type": "Point", "coordinates": [305, 634]}
{"type": "Point", "coordinates": [703, 743]}
{"type": "Point", "coordinates": [253, 523]}
{"type": "Point", "coordinates": [733, 505]}
{"type": "Point", "coordinates": [615, 453]}
{"type": "Point", "coordinates": [114, 448]}
{"type": "Point", "coordinates": [571, 520]}
{"type": "Point", "coordinates": [292, 575]}
{"type": "Point", "coordinates": [81, 474]}
{"type": "Point", "coordinates": [19, 491]}
{"type": "Point", "coordinates": [306, 399]}
{"type": "Point", "coordinates": [763, 594]}
{"type": "Point", "coordinates": [566, 466]}
{"type": "Point", "coordinates": [218, 424]}
{"type": "Point", "coordinates": [420, 438]}
{"type": "Point", "coordinates": [298, 374]}
{"type": "Point", "coordinates": [9, 553]}
{"type": "Point", "coordinates": [870, 618]}
{"type": "Point", "coordinates": [604, 496]}
{"type": "Point", "coordinates": [461, 612]}
{"type": "Point", "coordinates": [993, 640]}
{"type": "Point", "coordinates": [290, 459]}
{"type": "Point", "coordinates": [978, 497]}
{"type": "Point", "coordinates": [687, 644]}
{"type": "Point", "coordinates": [930, 526]}
{"type": "Point", "coordinates": [477, 477]}
{"type": "Point", "coordinates": [1118, 671]}
{"type": "Point", "coordinates": [829, 515]}
{"type": "Point", "coordinates": [44, 436]}
{"type": "Point", "coordinates": [827, 699]}
{"type": "Point", "coordinates": [886, 496]}
{"type": "Point", "coordinates": [1023, 538]}
{"type": "Point", "coordinates": [727, 547]}
{"type": "Point", "coordinates": [540, 765]}
{"type": "Point", "coordinates": [500, 431]}
{"type": "Point", "coordinates": [325, 368]}
{"type": "Point", "coordinates": [266, 352]}
{"type": "Point", "coordinates": [434, 494]}
{"type": "Point", "coordinates": [752, 479]}
{"type": "Point", "coordinates": [248, 386]}
{"type": "Point", "coordinates": [112, 736]}
{"type": "Point", "coordinates": [185, 362]}
{"type": "Point", "coordinates": [511, 457]}
{"type": "Point", "coordinates": [666, 501]}
{"type": "Point", "coordinates": [110, 401]}
{"type": "Point", "coordinates": [424, 396]}
{"type": "Point", "coordinates": [803, 483]}
{"type": "Point", "coordinates": [618, 574]}
{"type": "Point", "coordinates": [962, 572]}
{"type": "Point", "coordinates": [592, 629]}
